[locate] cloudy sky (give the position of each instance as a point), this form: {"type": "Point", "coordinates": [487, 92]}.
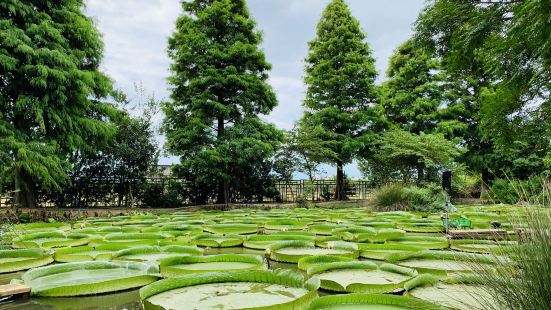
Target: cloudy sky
{"type": "Point", "coordinates": [135, 34]}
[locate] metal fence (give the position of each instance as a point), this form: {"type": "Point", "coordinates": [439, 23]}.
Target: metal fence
{"type": "Point", "coordinates": [103, 193]}
{"type": "Point", "coordinates": [320, 190]}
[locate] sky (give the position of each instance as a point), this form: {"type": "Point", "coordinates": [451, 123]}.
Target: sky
{"type": "Point", "coordinates": [135, 34]}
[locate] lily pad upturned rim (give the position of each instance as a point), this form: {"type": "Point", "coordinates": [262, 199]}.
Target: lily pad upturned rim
{"type": "Point", "coordinates": [361, 287]}
{"type": "Point", "coordinates": [256, 261]}
{"type": "Point", "coordinates": [309, 261]}
{"type": "Point", "coordinates": [282, 277]}
{"type": "Point", "coordinates": [373, 299]}
{"type": "Point", "coordinates": [250, 241]}
{"type": "Point", "coordinates": [149, 274]}
{"type": "Point", "coordinates": [175, 249]}
{"type": "Point", "coordinates": [208, 240]}
{"type": "Point", "coordinates": [271, 251]}
{"type": "Point", "coordinates": [33, 258]}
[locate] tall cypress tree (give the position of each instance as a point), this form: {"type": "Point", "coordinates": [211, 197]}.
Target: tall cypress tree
{"type": "Point", "coordinates": [340, 75]}
{"type": "Point", "coordinates": [50, 87]}
{"type": "Point", "coordinates": [218, 82]}
{"type": "Point", "coordinates": [412, 96]}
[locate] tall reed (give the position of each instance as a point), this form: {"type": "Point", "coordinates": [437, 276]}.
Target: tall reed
{"type": "Point", "coordinates": [522, 278]}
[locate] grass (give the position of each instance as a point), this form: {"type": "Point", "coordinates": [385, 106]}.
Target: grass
{"type": "Point", "coordinates": [522, 279]}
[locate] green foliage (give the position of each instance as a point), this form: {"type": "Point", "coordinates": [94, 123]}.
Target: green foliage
{"type": "Point", "coordinates": [161, 195]}
{"type": "Point", "coordinates": [411, 198]}
{"type": "Point", "coordinates": [307, 149]}
{"type": "Point", "coordinates": [219, 87]}
{"type": "Point", "coordinates": [51, 92]}
{"type": "Point", "coordinates": [121, 165]}
{"type": "Point", "coordinates": [340, 76]}
{"type": "Point", "coordinates": [389, 196]}
{"type": "Point", "coordinates": [413, 95]}
{"type": "Point", "coordinates": [24, 217]}
{"type": "Point", "coordinates": [465, 183]}
{"type": "Point", "coordinates": [518, 191]}
{"type": "Point", "coordinates": [522, 275]}
{"type": "Point", "coordinates": [399, 153]}
{"type": "Point", "coordinates": [429, 199]}
{"type": "Point", "coordinates": [497, 85]}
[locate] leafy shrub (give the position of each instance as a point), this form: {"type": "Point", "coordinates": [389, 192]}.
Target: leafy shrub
{"type": "Point", "coordinates": [389, 196]}
{"type": "Point", "coordinates": [465, 184]}
{"type": "Point", "coordinates": [302, 202]}
{"type": "Point", "coordinates": [517, 191]}
{"type": "Point", "coordinates": [428, 199]}
{"type": "Point", "coordinates": [24, 217]}
{"type": "Point", "coordinates": [157, 195]}
{"type": "Point", "coordinates": [412, 198]}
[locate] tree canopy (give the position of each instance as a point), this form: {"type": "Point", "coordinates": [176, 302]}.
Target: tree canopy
{"type": "Point", "coordinates": [219, 86]}
{"type": "Point", "coordinates": [341, 90]}
{"type": "Point", "coordinates": [51, 92]}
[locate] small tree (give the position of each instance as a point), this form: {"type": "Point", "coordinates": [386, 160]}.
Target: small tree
{"type": "Point", "coordinates": [340, 75]}
{"type": "Point", "coordinates": [399, 152]}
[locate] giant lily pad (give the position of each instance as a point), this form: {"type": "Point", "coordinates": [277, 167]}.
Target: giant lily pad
{"type": "Point", "coordinates": [310, 261]}
{"type": "Point", "coordinates": [440, 262]}
{"type": "Point", "coordinates": [479, 246]}
{"type": "Point", "coordinates": [133, 239]}
{"type": "Point", "coordinates": [286, 224]}
{"type": "Point", "coordinates": [428, 242]}
{"type": "Point", "coordinates": [361, 277]}
{"type": "Point", "coordinates": [156, 253]}
{"type": "Point", "coordinates": [459, 292]}
{"type": "Point", "coordinates": [217, 241]}
{"type": "Point", "coordinates": [381, 235]}
{"type": "Point", "coordinates": [86, 253]}
{"type": "Point", "coordinates": [264, 241]}
{"type": "Point", "coordinates": [292, 251]}
{"type": "Point", "coordinates": [176, 266]}
{"type": "Point", "coordinates": [41, 227]}
{"type": "Point", "coordinates": [231, 290]}
{"type": "Point", "coordinates": [232, 229]}
{"type": "Point", "coordinates": [50, 239]}
{"type": "Point", "coordinates": [381, 251]}
{"type": "Point", "coordinates": [87, 278]}
{"type": "Point", "coordinates": [16, 260]}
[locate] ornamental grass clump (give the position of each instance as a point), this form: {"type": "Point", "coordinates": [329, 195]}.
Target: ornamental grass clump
{"type": "Point", "coordinates": [522, 278]}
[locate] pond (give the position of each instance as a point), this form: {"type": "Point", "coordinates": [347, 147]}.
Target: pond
{"type": "Point", "coordinates": [279, 237]}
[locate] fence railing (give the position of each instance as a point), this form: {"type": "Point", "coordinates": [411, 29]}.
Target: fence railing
{"type": "Point", "coordinates": [320, 190]}
{"type": "Point", "coordinates": [103, 193]}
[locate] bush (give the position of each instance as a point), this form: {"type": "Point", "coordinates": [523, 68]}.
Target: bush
{"type": "Point", "coordinates": [389, 197]}
{"type": "Point", "coordinates": [518, 191]}
{"type": "Point", "coordinates": [393, 197]}
{"type": "Point", "coordinates": [24, 217]}
{"type": "Point", "coordinates": [429, 199]}
{"type": "Point", "coordinates": [466, 184]}
{"type": "Point", "coordinates": [302, 202]}
{"type": "Point", "coordinates": [158, 195]}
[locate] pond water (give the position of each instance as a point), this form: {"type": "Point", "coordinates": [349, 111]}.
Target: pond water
{"type": "Point", "coordinates": [127, 300]}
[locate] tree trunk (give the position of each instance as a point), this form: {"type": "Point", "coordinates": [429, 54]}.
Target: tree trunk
{"type": "Point", "coordinates": [311, 177]}
{"type": "Point", "coordinates": [420, 173]}
{"type": "Point", "coordinates": [485, 182]}
{"type": "Point", "coordinates": [25, 190]}
{"type": "Point", "coordinates": [339, 189]}
{"type": "Point", "coordinates": [223, 186]}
